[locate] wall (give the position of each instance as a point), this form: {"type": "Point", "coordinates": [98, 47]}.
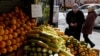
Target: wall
{"type": "Point", "coordinates": [7, 5]}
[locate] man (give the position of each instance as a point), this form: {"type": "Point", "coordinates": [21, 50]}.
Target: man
{"type": "Point", "coordinates": [75, 19]}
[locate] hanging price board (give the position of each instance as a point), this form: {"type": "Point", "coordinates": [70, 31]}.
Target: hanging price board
{"type": "Point", "coordinates": [36, 10]}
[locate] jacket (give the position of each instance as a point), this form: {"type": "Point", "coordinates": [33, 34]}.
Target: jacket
{"type": "Point", "coordinates": [75, 18]}
{"type": "Point", "coordinates": [89, 23]}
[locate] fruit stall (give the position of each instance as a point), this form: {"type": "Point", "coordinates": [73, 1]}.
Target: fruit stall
{"type": "Point", "coordinates": [21, 36]}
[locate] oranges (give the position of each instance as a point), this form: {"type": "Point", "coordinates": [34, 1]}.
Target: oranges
{"type": "Point", "coordinates": [13, 27]}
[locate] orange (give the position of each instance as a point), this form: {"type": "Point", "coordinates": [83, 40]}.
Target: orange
{"type": "Point", "coordinates": [14, 27]}
{"type": "Point", "coordinates": [1, 18]}
{"type": "Point", "coordinates": [1, 31]}
{"type": "Point", "coordinates": [14, 21]}
{"type": "Point", "coordinates": [33, 20]}
{"type": "Point", "coordinates": [29, 23]}
{"type": "Point", "coordinates": [6, 31]}
{"type": "Point", "coordinates": [2, 44]}
{"type": "Point", "coordinates": [14, 47]}
{"type": "Point", "coordinates": [5, 37]}
{"type": "Point", "coordinates": [17, 10]}
{"type": "Point", "coordinates": [9, 48]}
{"type": "Point", "coordinates": [18, 44]}
{"type": "Point", "coordinates": [3, 50]}
{"type": "Point", "coordinates": [9, 15]}
{"type": "Point", "coordinates": [4, 15]}
{"type": "Point", "coordinates": [22, 17]}
{"type": "Point", "coordinates": [22, 29]}
{"type": "Point", "coordinates": [13, 41]}
{"type": "Point", "coordinates": [32, 25]}
{"type": "Point", "coordinates": [23, 33]}
{"type": "Point", "coordinates": [18, 25]}
{"type": "Point", "coordinates": [22, 38]}
{"type": "Point", "coordinates": [1, 38]}
{"type": "Point", "coordinates": [8, 42]}
{"type": "Point", "coordinates": [3, 25]}
{"type": "Point", "coordinates": [10, 30]}
{"type": "Point", "coordinates": [10, 36]}
{"type": "Point", "coordinates": [18, 31]}
{"type": "Point", "coordinates": [28, 28]}
{"type": "Point", "coordinates": [23, 20]}
{"type": "Point", "coordinates": [12, 13]}
{"type": "Point", "coordinates": [18, 40]}
{"type": "Point", "coordinates": [15, 34]}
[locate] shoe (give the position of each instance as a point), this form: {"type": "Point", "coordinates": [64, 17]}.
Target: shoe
{"type": "Point", "coordinates": [92, 45]}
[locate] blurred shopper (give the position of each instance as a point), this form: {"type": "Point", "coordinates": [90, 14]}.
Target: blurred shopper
{"type": "Point", "coordinates": [60, 5]}
{"type": "Point", "coordinates": [89, 25]}
{"type": "Point", "coordinates": [74, 19]}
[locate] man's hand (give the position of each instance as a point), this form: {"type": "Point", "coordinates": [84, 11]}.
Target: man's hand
{"type": "Point", "coordinates": [73, 24]}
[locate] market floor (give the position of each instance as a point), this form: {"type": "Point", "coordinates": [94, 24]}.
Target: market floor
{"type": "Point", "coordinates": [95, 36]}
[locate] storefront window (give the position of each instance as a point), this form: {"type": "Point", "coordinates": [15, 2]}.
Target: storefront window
{"type": "Point", "coordinates": [46, 10]}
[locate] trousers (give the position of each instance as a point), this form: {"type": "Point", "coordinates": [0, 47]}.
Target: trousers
{"type": "Point", "coordinates": [86, 38]}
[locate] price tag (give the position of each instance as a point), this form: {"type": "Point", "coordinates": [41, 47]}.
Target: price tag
{"type": "Point", "coordinates": [36, 10]}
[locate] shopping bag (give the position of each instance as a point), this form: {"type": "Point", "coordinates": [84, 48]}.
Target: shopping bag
{"type": "Point", "coordinates": [67, 31]}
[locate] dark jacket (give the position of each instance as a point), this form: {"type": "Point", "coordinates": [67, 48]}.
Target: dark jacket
{"type": "Point", "coordinates": [89, 23]}
{"type": "Point", "coordinates": [75, 18]}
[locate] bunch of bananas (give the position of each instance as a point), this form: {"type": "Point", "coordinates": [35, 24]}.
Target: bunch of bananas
{"type": "Point", "coordinates": [47, 37]}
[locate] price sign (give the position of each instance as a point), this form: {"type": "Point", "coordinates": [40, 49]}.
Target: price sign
{"type": "Point", "coordinates": [36, 10]}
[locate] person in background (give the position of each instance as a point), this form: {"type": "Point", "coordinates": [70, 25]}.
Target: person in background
{"type": "Point", "coordinates": [60, 5]}
{"type": "Point", "coordinates": [75, 20]}
{"type": "Point", "coordinates": [89, 25]}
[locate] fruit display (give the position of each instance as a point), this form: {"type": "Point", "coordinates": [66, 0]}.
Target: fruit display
{"type": "Point", "coordinates": [77, 48]}
{"type": "Point", "coordinates": [13, 27]}
{"type": "Point", "coordinates": [45, 37]}
{"type": "Point", "coordinates": [44, 40]}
